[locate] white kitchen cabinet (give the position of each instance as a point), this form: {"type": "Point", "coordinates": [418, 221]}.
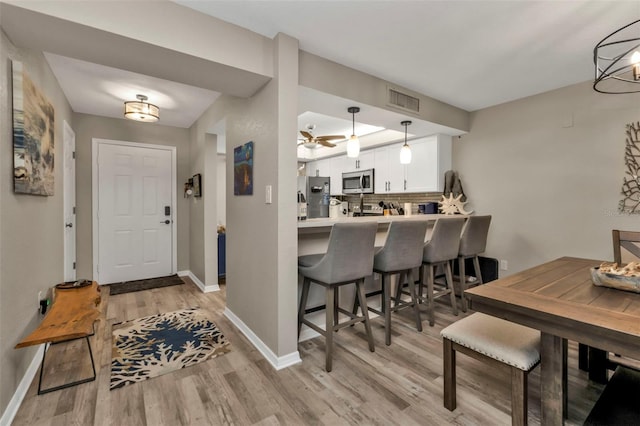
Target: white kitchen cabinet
{"type": "Point", "coordinates": [337, 165]}
{"type": "Point", "coordinates": [389, 173]}
{"type": "Point", "coordinates": [364, 161]}
{"type": "Point", "coordinates": [430, 158]}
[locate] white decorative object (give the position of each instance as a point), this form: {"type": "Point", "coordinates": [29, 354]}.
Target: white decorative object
{"type": "Point", "coordinates": [453, 205]}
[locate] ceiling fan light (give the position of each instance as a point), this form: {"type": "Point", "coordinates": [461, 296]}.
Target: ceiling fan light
{"type": "Point", "coordinates": [353, 147]}
{"type": "Point", "coordinates": [141, 111]}
{"type": "Point", "coordinates": [405, 154]}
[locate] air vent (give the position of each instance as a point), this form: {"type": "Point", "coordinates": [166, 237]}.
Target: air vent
{"type": "Point", "coordinates": [403, 101]}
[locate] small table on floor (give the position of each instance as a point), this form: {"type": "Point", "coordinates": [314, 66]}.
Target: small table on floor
{"type": "Point", "coordinates": [71, 317]}
{"type": "Point", "coordinates": [559, 299]}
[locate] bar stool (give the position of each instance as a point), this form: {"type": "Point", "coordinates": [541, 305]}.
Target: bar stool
{"type": "Point", "coordinates": [400, 255]}
{"type": "Point", "coordinates": [440, 250]}
{"type": "Point", "coordinates": [472, 242]}
{"type": "Point", "coordinates": [349, 259]}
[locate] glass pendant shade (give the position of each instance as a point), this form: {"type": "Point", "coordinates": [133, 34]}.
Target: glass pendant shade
{"type": "Point", "coordinates": [353, 147]}
{"type": "Point", "coordinates": [405, 151]}
{"type": "Point", "coordinates": [405, 154]}
{"type": "Point", "coordinates": [141, 111]}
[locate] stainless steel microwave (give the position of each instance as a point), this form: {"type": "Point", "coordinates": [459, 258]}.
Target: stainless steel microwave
{"type": "Point", "coordinates": [360, 182]}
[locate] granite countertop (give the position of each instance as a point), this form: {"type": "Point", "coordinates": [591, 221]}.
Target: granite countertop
{"type": "Point", "coordinates": [325, 222]}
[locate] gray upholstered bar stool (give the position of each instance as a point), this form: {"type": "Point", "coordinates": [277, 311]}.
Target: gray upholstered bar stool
{"type": "Point", "coordinates": [440, 250]}
{"type": "Point", "coordinates": [401, 253]}
{"type": "Point", "coordinates": [348, 260]}
{"type": "Point", "coordinates": [472, 242]}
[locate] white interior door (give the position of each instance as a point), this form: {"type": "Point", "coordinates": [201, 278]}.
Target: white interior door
{"type": "Point", "coordinates": [69, 178]}
{"type": "Point", "coordinates": [135, 213]}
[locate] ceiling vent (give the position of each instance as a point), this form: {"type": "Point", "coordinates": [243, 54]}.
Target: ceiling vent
{"type": "Point", "coordinates": [404, 101]}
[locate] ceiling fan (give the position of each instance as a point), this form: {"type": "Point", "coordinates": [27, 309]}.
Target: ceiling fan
{"type": "Point", "coordinates": [310, 141]}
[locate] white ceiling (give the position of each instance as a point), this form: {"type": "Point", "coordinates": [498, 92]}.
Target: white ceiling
{"type": "Point", "coordinates": [100, 90]}
{"type": "Point", "coordinates": [470, 54]}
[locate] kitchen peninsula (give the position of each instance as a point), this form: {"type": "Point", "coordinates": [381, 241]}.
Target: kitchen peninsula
{"type": "Point", "coordinates": [313, 238]}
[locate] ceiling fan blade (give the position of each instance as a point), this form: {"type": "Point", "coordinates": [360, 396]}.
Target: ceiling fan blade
{"type": "Point", "coordinates": [331, 137]}
{"type": "Point", "coordinates": [325, 143]}
{"type": "Point", "coordinates": [306, 134]}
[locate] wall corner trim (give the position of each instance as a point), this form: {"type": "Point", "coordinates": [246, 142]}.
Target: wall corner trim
{"type": "Point", "coordinates": [276, 362]}
{"type": "Point", "coordinates": [200, 284]}
{"type": "Point", "coordinates": [12, 409]}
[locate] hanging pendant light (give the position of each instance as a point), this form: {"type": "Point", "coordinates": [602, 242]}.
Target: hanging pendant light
{"type": "Point", "coordinates": [405, 151]}
{"type": "Point", "coordinates": [617, 61]}
{"type": "Point", "coordinates": [353, 144]}
{"type": "Point", "coordinates": [141, 111]}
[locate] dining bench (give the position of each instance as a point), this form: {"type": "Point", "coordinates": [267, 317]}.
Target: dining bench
{"type": "Point", "coordinates": [511, 348]}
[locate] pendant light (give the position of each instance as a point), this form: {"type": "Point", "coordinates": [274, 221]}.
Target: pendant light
{"type": "Point", "coordinates": [405, 151]}
{"type": "Point", "coordinates": [141, 111]}
{"type": "Point", "coordinates": [353, 144]}
{"type": "Point", "coordinates": [617, 61]}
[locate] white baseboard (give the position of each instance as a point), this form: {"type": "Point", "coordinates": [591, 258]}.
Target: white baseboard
{"type": "Point", "coordinates": [12, 409]}
{"type": "Point", "coordinates": [200, 284]}
{"type": "Point", "coordinates": [276, 362]}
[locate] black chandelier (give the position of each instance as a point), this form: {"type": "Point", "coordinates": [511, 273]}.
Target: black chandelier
{"type": "Point", "coordinates": [617, 61]}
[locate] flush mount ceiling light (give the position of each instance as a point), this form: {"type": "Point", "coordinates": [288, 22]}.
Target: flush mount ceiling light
{"type": "Point", "coordinates": [141, 111]}
{"type": "Point", "coordinates": [405, 151]}
{"type": "Point", "coordinates": [353, 144]}
{"type": "Point", "coordinates": [617, 61]}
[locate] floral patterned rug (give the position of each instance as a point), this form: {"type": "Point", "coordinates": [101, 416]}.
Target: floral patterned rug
{"type": "Point", "coordinates": [159, 344]}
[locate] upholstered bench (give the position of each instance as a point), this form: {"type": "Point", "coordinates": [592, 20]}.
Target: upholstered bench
{"type": "Point", "coordinates": [509, 347]}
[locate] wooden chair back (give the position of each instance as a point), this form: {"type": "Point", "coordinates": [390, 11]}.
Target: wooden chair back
{"type": "Point", "coordinates": [626, 246]}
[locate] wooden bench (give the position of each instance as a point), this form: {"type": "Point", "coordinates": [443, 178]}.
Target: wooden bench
{"type": "Point", "coordinates": [618, 403]}
{"type": "Point", "coordinates": [71, 317]}
{"type": "Point", "coordinates": [511, 348]}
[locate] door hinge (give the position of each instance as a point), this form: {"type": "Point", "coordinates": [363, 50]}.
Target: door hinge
{"type": "Point", "coordinates": [73, 155]}
{"type": "Point", "coordinates": [74, 209]}
{"type": "Point", "coordinates": [74, 265]}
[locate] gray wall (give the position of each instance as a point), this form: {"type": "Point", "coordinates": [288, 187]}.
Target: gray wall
{"type": "Point", "coordinates": [88, 127]}
{"type": "Point", "coordinates": [549, 169]}
{"type": "Point", "coordinates": [31, 227]}
{"type": "Point", "coordinates": [261, 238]}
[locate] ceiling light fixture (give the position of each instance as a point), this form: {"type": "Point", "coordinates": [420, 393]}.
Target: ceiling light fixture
{"type": "Point", "coordinates": [617, 61]}
{"type": "Point", "coordinates": [353, 144]}
{"type": "Point", "coordinates": [405, 151]}
{"type": "Point", "coordinates": [141, 111]}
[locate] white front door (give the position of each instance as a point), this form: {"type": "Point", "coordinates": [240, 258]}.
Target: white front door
{"type": "Point", "coordinates": [69, 178]}
{"type": "Point", "coordinates": [135, 213]}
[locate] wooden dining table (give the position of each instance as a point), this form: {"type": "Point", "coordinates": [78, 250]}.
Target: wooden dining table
{"type": "Point", "coordinates": [559, 299]}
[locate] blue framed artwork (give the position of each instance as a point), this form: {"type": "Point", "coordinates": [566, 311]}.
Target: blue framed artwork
{"type": "Point", "coordinates": [243, 169]}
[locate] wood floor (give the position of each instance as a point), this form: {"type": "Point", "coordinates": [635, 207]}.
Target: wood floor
{"type": "Point", "coordinates": [397, 385]}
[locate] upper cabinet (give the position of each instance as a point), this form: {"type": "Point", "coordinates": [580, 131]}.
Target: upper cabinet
{"type": "Point", "coordinates": [364, 161]}
{"type": "Point", "coordinates": [430, 159]}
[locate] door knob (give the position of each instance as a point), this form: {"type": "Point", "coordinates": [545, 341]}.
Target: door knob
{"type": "Point", "coordinates": [166, 222]}
{"type": "Point", "coordinates": [68, 225]}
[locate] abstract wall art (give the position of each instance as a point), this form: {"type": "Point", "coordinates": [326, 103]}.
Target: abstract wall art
{"type": "Point", "coordinates": [243, 169]}
{"type": "Point", "coordinates": [630, 202]}
{"type": "Point", "coordinates": [33, 136]}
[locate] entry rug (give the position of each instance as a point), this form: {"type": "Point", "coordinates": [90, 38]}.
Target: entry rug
{"type": "Point", "coordinates": [159, 344]}
{"type": "Point", "coordinates": [139, 285]}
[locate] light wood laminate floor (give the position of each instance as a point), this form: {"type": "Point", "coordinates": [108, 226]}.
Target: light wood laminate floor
{"type": "Point", "coordinates": [399, 384]}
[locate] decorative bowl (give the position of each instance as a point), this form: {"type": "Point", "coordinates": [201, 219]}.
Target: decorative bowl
{"type": "Point", "coordinates": [619, 282]}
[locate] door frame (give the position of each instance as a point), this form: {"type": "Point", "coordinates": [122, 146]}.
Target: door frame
{"type": "Point", "coordinates": [69, 134]}
{"type": "Point", "coordinates": [95, 185]}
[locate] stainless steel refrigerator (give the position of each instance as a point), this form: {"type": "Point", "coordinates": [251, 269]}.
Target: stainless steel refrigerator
{"type": "Point", "coordinates": [317, 191]}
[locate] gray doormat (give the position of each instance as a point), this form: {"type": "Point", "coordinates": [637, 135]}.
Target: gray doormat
{"type": "Point", "coordinates": [139, 285]}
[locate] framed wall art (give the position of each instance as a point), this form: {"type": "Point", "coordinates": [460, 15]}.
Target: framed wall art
{"type": "Point", "coordinates": [33, 136]}
{"type": "Point", "coordinates": [243, 169]}
{"type": "Point", "coordinates": [197, 185]}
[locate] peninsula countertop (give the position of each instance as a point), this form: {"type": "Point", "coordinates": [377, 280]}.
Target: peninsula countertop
{"type": "Point", "coordinates": [327, 222]}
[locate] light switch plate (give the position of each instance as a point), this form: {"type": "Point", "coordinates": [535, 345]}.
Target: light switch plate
{"type": "Point", "coordinates": [267, 195]}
